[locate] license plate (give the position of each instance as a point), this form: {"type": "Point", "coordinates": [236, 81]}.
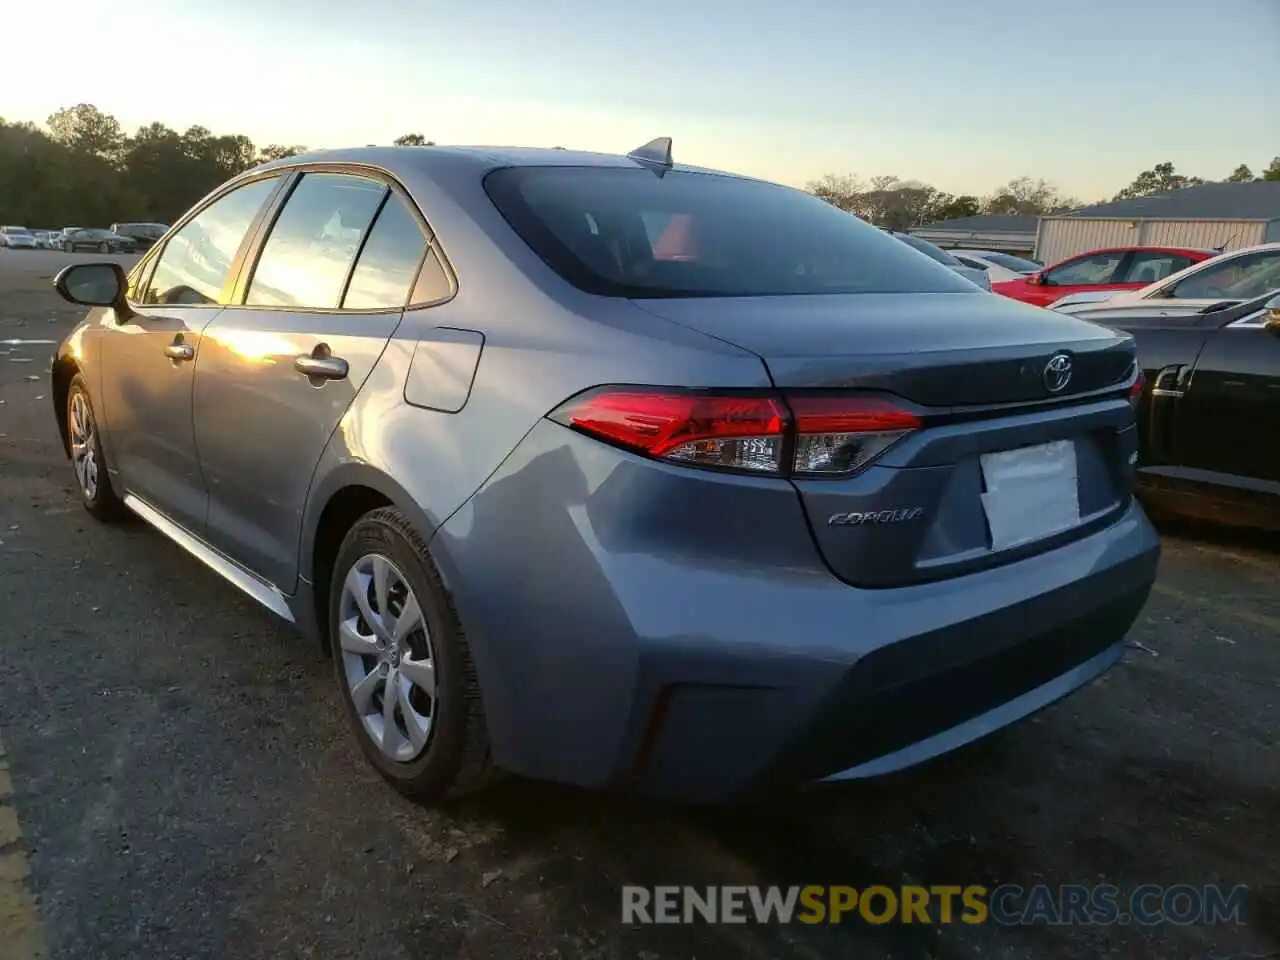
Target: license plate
{"type": "Point", "coordinates": [1031, 493]}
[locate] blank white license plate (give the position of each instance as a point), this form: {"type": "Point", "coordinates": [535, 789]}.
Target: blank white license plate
{"type": "Point", "coordinates": [1031, 493]}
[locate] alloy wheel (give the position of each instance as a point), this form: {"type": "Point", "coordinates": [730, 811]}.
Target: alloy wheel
{"type": "Point", "coordinates": [387, 658]}
{"type": "Point", "coordinates": [84, 448]}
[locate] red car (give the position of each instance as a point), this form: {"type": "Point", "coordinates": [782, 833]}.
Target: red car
{"type": "Point", "coordinates": [1112, 269]}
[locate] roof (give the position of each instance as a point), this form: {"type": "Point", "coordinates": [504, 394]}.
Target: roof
{"type": "Point", "coordinates": [986, 223]}
{"type": "Point", "coordinates": [478, 158]}
{"type": "Point", "coordinates": [1259, 200]}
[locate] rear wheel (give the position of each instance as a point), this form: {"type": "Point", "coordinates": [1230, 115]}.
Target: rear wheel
{"type": "Point", "coordinates": [104, 247]}
{"type": "Point", "coordinates": [87, 459]}
{"type": "Point", "coordinates": [403, 664]}
{"type": "Point", "coordinates": [68, 248]}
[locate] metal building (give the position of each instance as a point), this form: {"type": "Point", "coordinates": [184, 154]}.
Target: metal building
{"type": "Point", "coordinates": [1016, 235]}
{"type": "Point", "coordinates": [1213, 215]}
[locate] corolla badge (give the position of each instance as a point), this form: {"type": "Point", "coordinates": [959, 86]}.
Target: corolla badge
{"type": "Point", "coordinates": [855, 519]}
{"type": "Point", "coordinates": [1057, 373]}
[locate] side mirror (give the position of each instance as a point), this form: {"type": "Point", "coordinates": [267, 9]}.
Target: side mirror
{"type": "Point", "coordinates": [94, 285]}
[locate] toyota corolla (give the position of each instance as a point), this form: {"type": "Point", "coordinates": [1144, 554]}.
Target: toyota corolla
{"type": "Point", "coordinates": [614, 471]}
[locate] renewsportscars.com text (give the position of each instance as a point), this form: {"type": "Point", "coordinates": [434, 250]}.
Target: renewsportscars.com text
{"type": "Point", "coordinates": [1006, 905]}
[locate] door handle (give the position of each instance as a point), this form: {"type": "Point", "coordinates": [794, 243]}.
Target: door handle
{"type": "Point", "coordinates": [321, 367]}
{"type": "Point", "coordinates": [179, 351]}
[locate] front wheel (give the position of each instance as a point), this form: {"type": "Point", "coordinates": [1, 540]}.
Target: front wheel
{"type": "Point", "coordinates": [68, 248]}
{"type": "Point", "coordinates": [84, 443]}
{"type": "Point", "coordinates": [403, 664]}
{"type": "Point", "coordinates": [104, 248]}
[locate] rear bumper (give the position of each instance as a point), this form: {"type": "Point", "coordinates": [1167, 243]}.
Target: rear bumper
{"type": "Point", "coordinates": [610, 656]}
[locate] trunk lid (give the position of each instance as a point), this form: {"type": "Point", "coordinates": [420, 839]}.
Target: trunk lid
{"type": "Point", "coordinates": [948, 499]}
{"type": "Point", "coordinates": [940, 349]}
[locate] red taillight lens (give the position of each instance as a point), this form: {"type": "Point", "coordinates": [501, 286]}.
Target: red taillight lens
{"type": "Point", "coordinates": [838, 435]}
{"type": "Point", "coordinates": [831, 436]}
{"type": "Point", "coordinates": [731, 432]}
{"type": "Point", "coordinates": [1135, 391]}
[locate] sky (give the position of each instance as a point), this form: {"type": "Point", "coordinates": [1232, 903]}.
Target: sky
{"type": "Point", "coordinates": [965, 96]}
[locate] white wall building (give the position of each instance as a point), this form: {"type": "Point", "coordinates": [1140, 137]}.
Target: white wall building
{"type": "Point", "coordinates": [1214, 215]}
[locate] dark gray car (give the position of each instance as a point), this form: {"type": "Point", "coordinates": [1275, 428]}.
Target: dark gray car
{"type": "Point", "coordinates": [611, 471]}
{"type": "Point", "coordinates": [103, 241]}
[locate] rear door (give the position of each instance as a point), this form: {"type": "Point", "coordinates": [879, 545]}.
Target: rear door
{"type": "Point", "coordinates": [1230, 412]}
{"type": "Point", "coordinates": [148, 360]}
{"type": "Point", "coordinates": [279, 369]}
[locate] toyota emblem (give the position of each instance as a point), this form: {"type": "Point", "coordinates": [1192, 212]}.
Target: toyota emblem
{"type": "Point", "coordinates": [1057, 373]}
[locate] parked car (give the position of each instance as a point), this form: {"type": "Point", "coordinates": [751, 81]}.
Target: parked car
{"type": "Point", "coordinates": [1109, 271]}
{"type": "Point", "coordinates": [1229, 278]}
{"type": "Point", "coordinates": [144, 235]}
{"type": "Point", "coordinates": [560, 507]}
{"type": "Point", "coordinates": [88, 238]}
{"type": "Point", "coordinates": [975, 275]}
{"type": "Point", "coordinates": [1212, 407]}
{"type": "Point", "coordinates": [17, 238]}
{"type": "Point", "coordinates": [45, 239]}
{"type": "Point", "coordinates": [1000, 267]}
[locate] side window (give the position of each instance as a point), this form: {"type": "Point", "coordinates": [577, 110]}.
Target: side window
{"type": "Point", "coordinates": [195, 262]}
{"type": "Point", "coordinates": [387, 265]}
{"type": "Point", "coordinates": [433, 280]}
{"type": "Point", "coordinates": [1236, 278]}
{"type": "Point", "coordinates": [314, 241]}
{"type": "Point", "coordinates": [1150, 267]}
{"type": "Point", "coordinates": [1086, 270]}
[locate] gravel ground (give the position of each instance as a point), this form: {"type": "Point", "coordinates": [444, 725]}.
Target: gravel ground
{"type": "Point", "coordinates": [186, 787]}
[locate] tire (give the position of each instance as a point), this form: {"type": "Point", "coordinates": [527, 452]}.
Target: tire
{"type": "Point", "coordinates": [68, 248]}
{"type": "Point", "coordinates": [93, 480]}
{"type": "Point", "coordinates": [455, 759]}
{"type": "Point", "coordinates": [104, 248]}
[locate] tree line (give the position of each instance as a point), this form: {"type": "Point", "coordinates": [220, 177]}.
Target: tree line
{"type": "Point", "coordinates": [82, 168]}
{"type": "Point", "coordinates": [897, 204]}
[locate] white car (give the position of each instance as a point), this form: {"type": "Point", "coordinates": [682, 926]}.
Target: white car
{"type": "Point", "coordinates": [17, 238]}
{"type": "Point", "coordinates": [1229, 278]}
{"type": "Point", "coordinates": [1000, 267]}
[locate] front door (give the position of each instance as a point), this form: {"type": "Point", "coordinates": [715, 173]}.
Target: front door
{"type": "Point", "coordinates": [148, 361]}
{"type": "Point", "coordinates": [277, 373]}
{"type": "Point", "coordinates": [1083, 274]}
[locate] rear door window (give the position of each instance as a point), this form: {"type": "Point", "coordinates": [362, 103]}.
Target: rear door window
{"type": "Point", "coordinates": [389, 261]}
{"type": "Point", "coordinates": [1150, 267]}
{"type": "Point", "coordinates": [625, 232]}
{"type": "Point", "coordinates": [195, 262]}
{"type": "Point", "coordinates": [313, 242]}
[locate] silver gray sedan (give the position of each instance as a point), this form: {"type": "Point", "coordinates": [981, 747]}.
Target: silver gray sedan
{"type": "Point", "coordinates": [614, 471]}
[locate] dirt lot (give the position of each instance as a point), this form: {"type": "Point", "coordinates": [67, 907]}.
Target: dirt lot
{"type": "Point", "coordinates": [185, 787]}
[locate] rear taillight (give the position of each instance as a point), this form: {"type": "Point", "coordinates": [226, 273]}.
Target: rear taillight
{"type": "Point", "coordinates": [1135, 391]}
{"type": "Point", "coordinates": [838, 435]}
{"type": "Point", "coordinates": [756, 433]}
{"type": "Point", "coordinates": [706, 430]}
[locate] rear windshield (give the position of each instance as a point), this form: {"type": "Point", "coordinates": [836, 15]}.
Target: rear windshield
{"type": "Point", "coordinates": [630, 233]}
